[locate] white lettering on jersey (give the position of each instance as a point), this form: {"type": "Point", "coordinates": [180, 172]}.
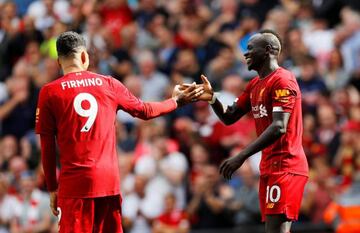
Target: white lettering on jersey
{"type": "Point", "coordinates": [278, 109]}
{"type": "Point", "coordinates": [88, 82]}
{"type": "Point", "coordinates": [259, 111]}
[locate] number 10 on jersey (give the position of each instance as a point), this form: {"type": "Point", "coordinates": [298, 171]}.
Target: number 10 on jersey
{"type": "Point", "coordinates": [90, 113]}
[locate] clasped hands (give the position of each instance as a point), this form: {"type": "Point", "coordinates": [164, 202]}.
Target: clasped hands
{"type": "Point", "coordinates": [187, 93]}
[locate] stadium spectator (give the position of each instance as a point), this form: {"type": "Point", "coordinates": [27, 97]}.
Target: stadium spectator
{"type": "Point", "coordinates": [344, 211]}
{"type": "Point", "coordinates": [136, 209]}
{"type": "Point", "coordinates": [319, 191]}
{"type": "Point", "coordinates": [33, 207]}
{"type": "Point", "coordinates": [153, 81]}
{"type": "Point", "coordinates": [310, 82]}
{"type": "Point", "coordinates": [46, 12]}
{"type": "Point", "coordinates": [244, 202]}
{"type": "Point", "coordinates": [206, 208]}
{"type": "Point", "coordinates": [335, 75]}
{"type": "Point", "coordinates": [347, 38]}
{"type": "Point", "coordinates": [328, 132]}
{"type": "Point", "coordinates": [23, 96]}
{"type": "Point", "coordinates": [93, 35]}
{"type": "Point", "coordinates": [17, 166]}
{"type": "Point", "coordinates": [115, 15]}
{"type": "Point", "coordinates": [173, 219]}
{"type": "Point", "coordinates": [9, 207]}
{"type": "Point", "coordinates": [9, 148]}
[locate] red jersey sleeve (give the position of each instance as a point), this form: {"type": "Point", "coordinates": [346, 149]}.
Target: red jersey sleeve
{"type": "Point", "coordinates": [283, 95]}
{"type": "Point", "coordinates": [46, 127]}
{"type": "Point", "coordinates": [136, 107]}
{"type": "Point", "coordinates": [48, 160]}
{"type": "Point", "coordinates": [44, 119]}
{"type": "Point", "coordinates": [243, 101]}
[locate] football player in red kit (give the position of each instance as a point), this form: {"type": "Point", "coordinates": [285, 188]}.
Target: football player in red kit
{"type": "Point", "coordinates": [78, 110]}
{"type": "Point", "coordinates": [274, 99]}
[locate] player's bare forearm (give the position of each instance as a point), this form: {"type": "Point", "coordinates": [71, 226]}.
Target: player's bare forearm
{"type": "Point", "coordinates": [228, 116]}
{"type": "Point", "coordinates": [272, 133]}
{"type": "Point", "coordinates": [48, 159]}
{"type": "Point", "coordinates": [275, 130]}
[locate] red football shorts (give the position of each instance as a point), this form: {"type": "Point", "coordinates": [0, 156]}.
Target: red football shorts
{"type": "Point", "coordinates": [281, 194]}
{"type": "Point", "coordinates": [90, 215]}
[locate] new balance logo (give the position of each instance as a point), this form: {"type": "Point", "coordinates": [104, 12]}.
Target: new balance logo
{"type": "Point", "coordinates": [259, 111]}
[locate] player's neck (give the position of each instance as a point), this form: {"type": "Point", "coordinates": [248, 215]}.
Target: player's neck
{"type": "Point", "coordinates": [267, 69]}
{"type": "Point", "coordinates": [72, 68]}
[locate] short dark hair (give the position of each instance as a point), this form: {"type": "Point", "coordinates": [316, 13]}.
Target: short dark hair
{"type": "Point", "coordinates": [68, 43]}
{"type": "Point", "coordinates": [269, 31]}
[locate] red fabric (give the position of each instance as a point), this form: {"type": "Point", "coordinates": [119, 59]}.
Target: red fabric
{"type": "Point", "coordinates": [173, 218]}
{"type": "Point", "coordinates": [48, 160]}
{"type": "Point", "coordinates": [243, 129]}
{"type": "Point", "coordinates": [95, 215]}
{"type": "Point", "coordinates": [279, 89]}
{"type": "Point", "coordinates": [115, 19]}
{"type": "Point", "coordinates": [88, 156]}
{"type": "Point", "coordinates": [287, 201]}
{"type": "Point", "coordinates": [143, 148]}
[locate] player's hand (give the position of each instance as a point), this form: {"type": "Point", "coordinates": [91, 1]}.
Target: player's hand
{"type": "Point", "coordinates": [208, 90]}
{"type": "Point", "coordinates": [186, 94]}
{"type": "Point", "coordinates": [229, 166]}
{"type": "Point", "coordinates": [53, 203]}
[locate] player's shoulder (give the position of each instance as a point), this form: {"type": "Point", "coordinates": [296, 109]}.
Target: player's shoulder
{"type": "Point", "coordinates": [285, 74]}
{"type": "Point", "coordinates": [48, 86]}
{"type": "Point", "coordinates": [106, 78]}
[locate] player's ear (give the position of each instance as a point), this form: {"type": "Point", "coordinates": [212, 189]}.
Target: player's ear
{"type": "Point", "coordinates": [268, 49]}
{"type": "Point", "coordinates": [83, 57]}
{"type": "Point", "coordinates": [59, 62]}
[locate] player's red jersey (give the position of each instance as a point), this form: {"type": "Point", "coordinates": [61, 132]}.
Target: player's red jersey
{"type": "Point", "coordinates": [80, 110]}
{"type": "Point", "coordinates": [278, 91]}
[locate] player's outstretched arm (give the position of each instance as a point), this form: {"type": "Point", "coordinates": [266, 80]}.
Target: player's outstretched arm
{"type": "Point", "coordinates": [228, 115]}
{"type": "Point", "coordinates": [272, 133]}
{"type": "Point", "coordinates": [148, 110]}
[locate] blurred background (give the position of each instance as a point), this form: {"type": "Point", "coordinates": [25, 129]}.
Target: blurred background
{"type": "Point", "coordinates": [169, 166]}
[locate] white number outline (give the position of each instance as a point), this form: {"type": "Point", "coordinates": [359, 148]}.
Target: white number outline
{"type": "Point", "coordinates": [91, 113]}
{"type": "Point", "coordinates": [270, 193]}
{"type": "Point", "coordinates": [59, 215]}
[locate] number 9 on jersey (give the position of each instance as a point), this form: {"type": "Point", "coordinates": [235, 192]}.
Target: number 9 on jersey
{"type": "Point", "coordinates": [89, 113]}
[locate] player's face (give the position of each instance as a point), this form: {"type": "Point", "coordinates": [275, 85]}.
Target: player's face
{"type": "Point", "coordinates": [256, 53]}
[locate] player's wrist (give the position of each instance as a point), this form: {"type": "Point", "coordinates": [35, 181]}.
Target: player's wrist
{"type": "Point", "coordinates": [176, 101]}
{"type": "Point", "coordinates": [213, 98]}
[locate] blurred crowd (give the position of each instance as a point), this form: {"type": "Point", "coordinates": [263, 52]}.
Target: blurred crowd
{"type": "Point", "coordinates": [169, 165]}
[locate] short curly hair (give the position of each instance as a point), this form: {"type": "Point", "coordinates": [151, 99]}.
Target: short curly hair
{"type": "Point", "coordinates": [68, 43]}
{"type": "Point", "coordinates": [272, 38]}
